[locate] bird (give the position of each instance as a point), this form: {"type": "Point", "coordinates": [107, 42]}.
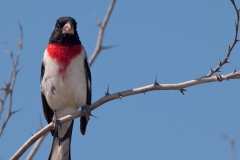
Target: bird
{"type": "Point", "coordinates": [65, 84]}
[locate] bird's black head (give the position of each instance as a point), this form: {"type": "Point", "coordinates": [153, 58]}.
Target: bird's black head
{"type": "Point", "coordinates": [65, 32]}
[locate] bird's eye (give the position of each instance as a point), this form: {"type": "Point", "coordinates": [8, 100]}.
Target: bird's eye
{"type": "Point", "coordinates": [58, 26]}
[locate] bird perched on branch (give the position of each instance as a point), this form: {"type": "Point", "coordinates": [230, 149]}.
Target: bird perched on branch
{"type": "Point", "coordinates": [65, 84]}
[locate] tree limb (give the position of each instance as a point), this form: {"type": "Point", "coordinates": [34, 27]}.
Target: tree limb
{"type": "Point", "coordinates": [108, 97]}
{"type": "Point", "coordinates": [37, 144]}
{"type": "Point", "coordinates": [230, 48]}
{"type": "Point", "coordinates": [9, 86]}
{"type": "Point", "coordinates": [102, 26]}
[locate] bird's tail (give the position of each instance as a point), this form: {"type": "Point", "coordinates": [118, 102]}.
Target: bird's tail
{"type": "Point", "coordinates": [61, 142]}
{"type": "Point", "coordinates": [83, 124]}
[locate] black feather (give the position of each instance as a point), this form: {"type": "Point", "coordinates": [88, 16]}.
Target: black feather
{"type": "Point", "coordinates": [83, 120]}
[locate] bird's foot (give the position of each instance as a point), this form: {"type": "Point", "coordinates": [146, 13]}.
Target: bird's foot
{"type": "Point", "coordinates": [86, 110]}
{"type": "Point", "coordinates": [56, 123]}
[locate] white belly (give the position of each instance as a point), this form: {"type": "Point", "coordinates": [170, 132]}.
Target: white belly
{"type": "Point", "coordinates": [65, 91]}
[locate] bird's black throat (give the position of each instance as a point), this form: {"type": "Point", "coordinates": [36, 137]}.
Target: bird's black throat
{"type": "Point", "coordinates": [64, 39]}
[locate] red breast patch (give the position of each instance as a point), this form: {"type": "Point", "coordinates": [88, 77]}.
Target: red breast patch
{"type": "Point", "coordinates": [63, 54]}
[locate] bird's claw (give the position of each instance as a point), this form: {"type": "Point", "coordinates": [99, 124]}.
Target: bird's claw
{"type": "Point", "coordinates": [57, 123]}
{"type": "Point", "coordinates": [86, 110]}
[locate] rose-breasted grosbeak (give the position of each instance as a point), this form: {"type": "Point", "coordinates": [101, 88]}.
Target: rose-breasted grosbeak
{"type": "Point", "coordinates": [65, 83]}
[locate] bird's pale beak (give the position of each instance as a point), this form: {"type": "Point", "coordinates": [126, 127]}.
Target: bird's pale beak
{"type": "Point", "coordinates": [68, 28]}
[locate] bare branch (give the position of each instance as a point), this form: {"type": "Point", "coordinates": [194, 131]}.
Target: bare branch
{"type": "Point", "coordinates": [9, 86]}
{"type": "Point", "coordinates": [117, 95]}
{"type": "Point", "coordinates": [37, 144]}
{"type": "Point", "coordinates": [102, 26]}
{"type": "Point", "coordinates": [35, 147]}
{"type": "Point", "coordinates": [230, 48]}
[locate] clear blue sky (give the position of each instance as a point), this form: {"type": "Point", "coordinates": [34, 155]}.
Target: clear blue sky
{"type": "Point", "coordinates": [177, 40]}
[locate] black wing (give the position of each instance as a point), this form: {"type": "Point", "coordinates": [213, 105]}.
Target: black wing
{"type": "Point", "coordinates": [83, 120]}
{"type": "Point", "coordinates": [48, 113]}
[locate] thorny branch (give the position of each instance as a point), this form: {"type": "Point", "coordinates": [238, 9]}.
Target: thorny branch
{"type": "Point", "coordinates": [119, 95]}
{"type": "Point", "coordinates": [102, 26]}
{"type": "Point", "coordinates": [230, 48]}
{"type": "Point", "coordinates": [9, 86]}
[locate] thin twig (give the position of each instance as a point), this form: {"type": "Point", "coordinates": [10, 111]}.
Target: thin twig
{"type": "Point", "coordinates": [231, 142]}
{"type": "Point", "coordinates": [108, 97]}
{"type": "Point", "coordinates": [230, 48]}
{"type": "Point", "coordinates": [9, 86]}
{"type": "Point", "coordinates": [102, 26]}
